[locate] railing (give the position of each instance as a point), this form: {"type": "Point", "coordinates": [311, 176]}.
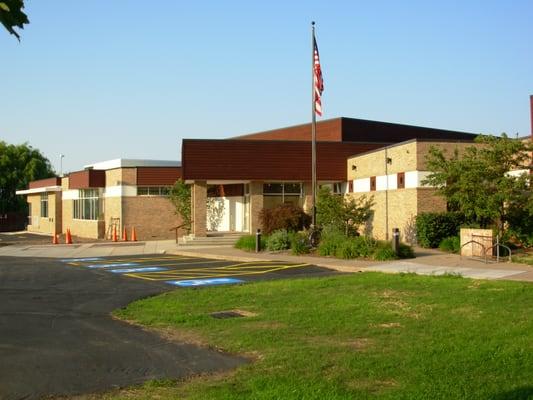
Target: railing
{"type": "Point", "coordinates": [478, 243]}
{"type": "Point", "coordinates": [177, 228]}
{"type": "Point", "coordinates": [486, 249]}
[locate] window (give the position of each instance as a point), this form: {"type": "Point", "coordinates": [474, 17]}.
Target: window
{"type": "Point", "coordinates": [87, 206]}
{"type": "Point", "coordinates": [373, 183]}
{"type": "Point", "coordinates": [277, 193]}
{"type": "Point", "coordinates": [153, 191]}
{"type": "Point", "coordinates": [400, 180]}
{"type": "Point", "coordinates": [44, 205]}
{"type": "Point", "coordinates": [338, 188]}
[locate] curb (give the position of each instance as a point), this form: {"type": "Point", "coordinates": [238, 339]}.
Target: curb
{"type": "Point", "coordinates": [340, 268]}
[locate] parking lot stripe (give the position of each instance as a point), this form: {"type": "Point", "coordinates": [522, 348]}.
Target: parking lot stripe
{"type": "Point", "coordinates": [182, 275]}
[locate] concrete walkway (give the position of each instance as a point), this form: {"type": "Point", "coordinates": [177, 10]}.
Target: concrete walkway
{"type": "Point", "coordinates": [427, 262]}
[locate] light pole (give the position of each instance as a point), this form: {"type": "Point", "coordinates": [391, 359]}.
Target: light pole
{"type": "Point", "coordinates": [61, 156]}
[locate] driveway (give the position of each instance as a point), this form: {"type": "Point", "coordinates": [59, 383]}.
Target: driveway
{"type": "Point", "coordinates": [57, 338]}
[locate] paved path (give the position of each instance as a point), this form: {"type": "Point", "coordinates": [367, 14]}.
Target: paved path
{"type": "Point", "coordinates": [426, 262]}
{"type": "Point", "coordinates": [57, 337]}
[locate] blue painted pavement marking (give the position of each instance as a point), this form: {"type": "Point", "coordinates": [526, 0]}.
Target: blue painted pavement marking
{"type": "Point", "coordinates": [112, 265]}
{"type": "Point", "coordinates": [82, 259]}
{"type": "Point", "coordinates": [130, 270]}
{"type": "Point", "coordinates": [205, 282]}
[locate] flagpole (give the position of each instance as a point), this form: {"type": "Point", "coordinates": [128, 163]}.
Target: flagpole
{"type": "Point", "coordinates": [313, 128]}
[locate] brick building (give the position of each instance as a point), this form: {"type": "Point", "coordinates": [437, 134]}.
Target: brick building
{"type": "Point", "coordinates": [266, 168]}
{"type": "Point", "coordinates": [232, 180]}
{"type": "Point", "coordinates": [118, 193]}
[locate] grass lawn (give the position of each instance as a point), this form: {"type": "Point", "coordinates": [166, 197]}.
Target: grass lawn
{"type": "Point", "coordinates": [360, 336]}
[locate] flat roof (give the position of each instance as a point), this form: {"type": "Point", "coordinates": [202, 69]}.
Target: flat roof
{"type": "Point", "coordinates": [43, 189]}
{"type": "Point", "coordinates": [132, 162]}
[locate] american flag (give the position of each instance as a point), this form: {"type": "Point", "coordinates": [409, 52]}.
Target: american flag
{"type": "Point", "coordinates": [317, 79]}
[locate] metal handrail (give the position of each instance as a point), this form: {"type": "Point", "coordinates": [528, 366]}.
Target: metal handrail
{"type": "Point", "coordinates": [176, 228]}
{"type": "Point", "coordinates": [473, 241]}
{"type": "Point", "coordinates": [498, 245]}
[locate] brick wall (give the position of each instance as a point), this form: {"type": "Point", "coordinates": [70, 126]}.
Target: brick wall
{"type": "Point", "coordinates": [50, 224]}
{"type": "Point", "coordinates": [152, 217]}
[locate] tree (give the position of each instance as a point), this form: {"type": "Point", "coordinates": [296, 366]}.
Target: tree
{"type": "Point", "coordinates": [343, 214]}
{"type": "Point", "coordinates": [11, 15]}
{"type": "Point", "coordinates": [180, 196]}
{"type": "Point", "coordinates": [19, 164]}
{"type": "Point", "coordinates": [479, 184]}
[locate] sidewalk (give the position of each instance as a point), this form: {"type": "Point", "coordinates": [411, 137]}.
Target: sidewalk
{"type": "Point", "coordinates": [427, 262]}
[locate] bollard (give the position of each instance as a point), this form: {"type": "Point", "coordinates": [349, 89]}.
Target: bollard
{"type": "Point", "coordinates": [258, 241]}
{"type": "Point", "coordinates": [396, 240]}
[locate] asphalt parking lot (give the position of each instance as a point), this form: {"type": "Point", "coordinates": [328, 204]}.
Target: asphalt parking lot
{"type": "Point", "coordinates": [184, 271]}
{"type": "Point", "coordinates": [57, 337]}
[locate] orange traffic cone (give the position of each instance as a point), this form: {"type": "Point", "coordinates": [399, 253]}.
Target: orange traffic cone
{"type": "Point", "coordinates": [54, 239]}
{"type": "Point", "coordinates": [68, 237]}
{"type": "Point", "coordinates": [115, 234]}
{"type": "Point", "coordinates": [125, 235]}
{"type": "Point", "coordinates": [133, 235]}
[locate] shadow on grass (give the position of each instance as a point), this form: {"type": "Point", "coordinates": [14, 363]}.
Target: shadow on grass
{"type": "Point", "coordinates": [521, 393]}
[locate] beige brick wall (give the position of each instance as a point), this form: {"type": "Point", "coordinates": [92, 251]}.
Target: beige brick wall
{"type": "Point", "coordinates": [80, 227]}
{"type": "Point", "coordinates": [50, 224]}
{"type": "Point", "coordinates": [152, 217]}
{"type": "Point", "coordinates": [401, 211]}
{"type": "Point", "coordinates": [113, 209]}
{"type": "Point", "coordinates": [403, 206]}
{"type": "Point", "coordinates": [483, 242]}
{"type": "Point", "coordinates": [410, 156]}
{"type": "Point", "coordinates": [373, 164]}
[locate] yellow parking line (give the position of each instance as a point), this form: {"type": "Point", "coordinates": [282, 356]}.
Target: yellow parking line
{"type": "Point", "coordinates": [166, 275]}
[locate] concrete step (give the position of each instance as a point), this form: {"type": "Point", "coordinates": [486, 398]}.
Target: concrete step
{"type": "Point", "coordinates": [213, 239]}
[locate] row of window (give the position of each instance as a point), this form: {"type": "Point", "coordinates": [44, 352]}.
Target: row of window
{"type": "Point", "coordinates": [400, 181]}
{"type": "Point", "coordinates": [88, 206]}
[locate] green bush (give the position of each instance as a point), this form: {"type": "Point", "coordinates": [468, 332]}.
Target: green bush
{"type": "Point", "coordinates": [247, 243]}
{"type": "Point", "coordinates": [284, 216]}
{"type": "Point", "coordinates": [300, 243]}
{"type": "Point", "coordinates": [405, 251]}
{"type": "Point", "coordinates": [278, 240]}
{"type": "Point", "coordinates": [364, 245]}
{"type": "Point", "coordinates": [432, 228]}
{"type": "Point", "coordinates": [451, 244]}
{"type": "Point", "coordinates": [384, 252]}
{"type": "Point", "coordinates": [346, 249]}
{"type": "Point", "coordinates": [329, 242]}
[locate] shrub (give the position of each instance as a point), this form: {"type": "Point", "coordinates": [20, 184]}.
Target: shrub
{"type": "Point", "coordinates": [346, 249]}
{"type": "Point", "coordinates": [364, 245]}
{"type": "Point", "coordinates": [431, 228]}
{"type": "Point", "coordinates": [330, 240]}
{"type": "Point", "coordinates": [284, 216]}
{"type": "Point", "coordinates": [344, 214]}
{"type": "Point", "coordinates": [300, 243]}
{"type": "Point", "coordinates": [360, 246]}
{"type": "Point", "coordinates": [247, 243]}
{"type": "Point", "coordinates": [451, 244]}
{"type": "Point", "coordinates": [405, 251]}
{"type": "Point", "coordinates": [278, 240]}
{"type": "Point", "coordinates": [384, 252]}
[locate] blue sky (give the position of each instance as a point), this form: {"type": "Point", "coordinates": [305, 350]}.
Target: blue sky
{"type": "Point", "coordinates": [98, 79]}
